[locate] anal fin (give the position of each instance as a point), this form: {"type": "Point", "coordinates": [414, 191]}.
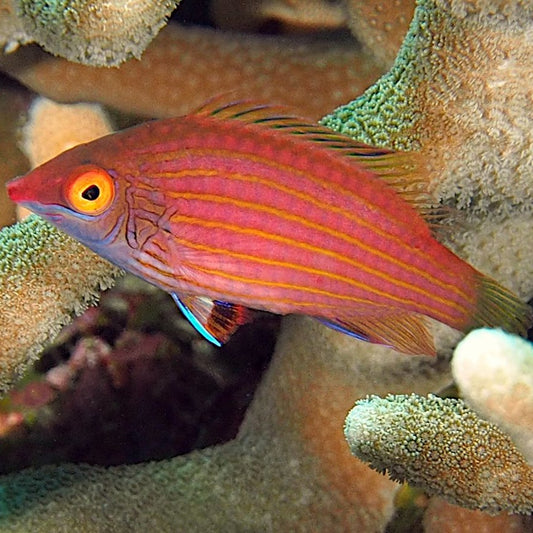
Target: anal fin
{"type": "Point", "coordinates": [404, 333]}
{"type": "Point", "coordinates": [215, 320]}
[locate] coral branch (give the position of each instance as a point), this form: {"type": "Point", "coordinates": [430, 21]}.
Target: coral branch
{"type": "Point", "coordinates": [12, 33]}
{"type": "Point", "coordinates": [302, 15]}
{"type": "Point", "coordinates": [494, 371]}
{"type": "Point", "coordinates": [185, 66]}
{"type": "Point", "coordinates": [45, 276]}
{"type": "Point", "coordinates": [461, 92]}
{"type": "Point", "coordinates": [104, 33]}
{"type": "Point", "coordinates": [380, 28]}
{"type": "Point", "coordinates": [444, 517]}
{"type": "Point", "coordinates": [289, 469]}
{"type": "Point", "coordinates": [442, 446]}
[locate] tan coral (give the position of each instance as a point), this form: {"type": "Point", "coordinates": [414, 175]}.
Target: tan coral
{"type": "Point", "coordinates": [12, 161]}
{"type": "Point", "coordinates": [103, 33]}
{"type": "Point", "coordinates": [299, 15]}
{"type": "Point", "coordinates": [186, 66]}
{"type": "Point", "coordinates": [288, 470]}
{"type": "Point", "coordinates": [441, 446]}
{"type": "Point", "coordinates": [467, 106]}
{"type": "Point", "coordinates": [380, 25]}
{"type": "Point", "coordinates": [12, 33]}
{"type": "Point", "coordinates": [494, 372]}
{"type": "Point", "coordinates": [52, 128]}
{"type": "Point", "coordinates": [35, 261]}
{"type": "Point", "coordinates": [444, 517]}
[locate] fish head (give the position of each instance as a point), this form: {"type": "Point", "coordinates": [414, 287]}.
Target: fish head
{"type": "Point", "coordinates": [79, 191]}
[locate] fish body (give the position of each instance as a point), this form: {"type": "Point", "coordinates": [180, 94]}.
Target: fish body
{"type": "Point", "coordinates": [237, 208]}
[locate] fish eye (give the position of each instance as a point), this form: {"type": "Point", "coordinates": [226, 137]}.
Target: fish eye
{"type": "Point", "coordinates": [90, 190]}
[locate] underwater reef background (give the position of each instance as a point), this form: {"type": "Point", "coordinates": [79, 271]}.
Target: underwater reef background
{"type": "Point", "coordinates": [127, 421]}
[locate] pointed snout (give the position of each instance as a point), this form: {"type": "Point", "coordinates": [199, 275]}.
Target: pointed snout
{"type": "Point", "coordinates": [16, 189]}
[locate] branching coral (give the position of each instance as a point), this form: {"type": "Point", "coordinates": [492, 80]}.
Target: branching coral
{"type": "Point", "coordinates": [36, 260]}
{"type": "Point", "coordinates": [380, 26]}
{"type": "Point", "coordinates": [494, 372]}
{"type": "Point", "coordinates": [12, 161]}
{"type": "Point", "coordinates": [441, 445]}
{"type": "Point", "coordinates": [103, 33]}
{"type": "Point", "coordinates": [460, 92]}
{"type": "Point", "coordinates": [288, 470]}
{"type": "Point", "coordinates": [185, 66]}
{"type": "Point", "coordinates": [52, 128]}
{"type": "Point", "coordinates": [444, 517]}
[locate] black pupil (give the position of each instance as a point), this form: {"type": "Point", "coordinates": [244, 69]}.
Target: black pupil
{"type": "Point", "coordinates": [91, 193]}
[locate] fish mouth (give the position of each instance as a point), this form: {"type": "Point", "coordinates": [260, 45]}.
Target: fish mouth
{"type": "Point", "coordinates": [18, 193]}
{"type": "Point", "coordinates": [41, 210]}
{"type": "Point", "coordinates": [54, 218]}
{"type": "Point", "coordinates": [15, 191]}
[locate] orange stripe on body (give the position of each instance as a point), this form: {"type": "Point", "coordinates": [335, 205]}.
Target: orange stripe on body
{"type": "Point", "coordinates": [299, 244]}
{"type": "Point", "coordinates": [324, 229]}
{"type": "Point", "coordinates": [464, 307]}
{"type": "Point", "coordinates": [350, 215]}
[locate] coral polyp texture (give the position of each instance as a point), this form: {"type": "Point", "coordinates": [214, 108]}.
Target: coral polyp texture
{"type": "Point", "coordinates": [35, 258]}
{"type": "Point", "coordinates": [441, 445]}
{"type": "Point", "coordinates": [461, 93]}
{"type": "Point", "coordinates": [12, 33]}
{"type": "Point", "coordinates": [377, 25]}
{"type": "Point", "coordinates": [503, 391]}
{"type": "Point", "coordinates": [103, 33]}
{"type": "Point", "coordinates": [52, 128]}
{"type": "Point", "coordinates": [380, 26]}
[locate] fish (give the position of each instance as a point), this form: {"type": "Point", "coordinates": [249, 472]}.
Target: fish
{"type": "Point", "coordinates": [240, 207]}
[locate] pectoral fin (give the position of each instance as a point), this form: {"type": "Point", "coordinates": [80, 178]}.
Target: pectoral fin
{"type": "Point", "coordinates": [216, 321]}
{"type": "Point", "coordinates": [405, 333]}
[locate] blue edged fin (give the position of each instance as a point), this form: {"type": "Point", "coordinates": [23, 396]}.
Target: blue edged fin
{"type": "Point", "coordinates": [406, 333]}
{"type": "Point", "coordinates": [216, 321]}
{"type": "Point", "coordinates": [343, 329]}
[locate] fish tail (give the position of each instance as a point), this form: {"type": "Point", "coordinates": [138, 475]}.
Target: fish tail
{"type": "Point", "coordinates": [497, 307]}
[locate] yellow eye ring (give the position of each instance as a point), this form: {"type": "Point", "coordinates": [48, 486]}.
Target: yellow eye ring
{"type": "Point", "coordinates": [90, 190]}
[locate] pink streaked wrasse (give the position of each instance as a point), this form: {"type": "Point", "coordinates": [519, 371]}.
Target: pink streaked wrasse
{"type": "Point", "coordinates": [239, 207]}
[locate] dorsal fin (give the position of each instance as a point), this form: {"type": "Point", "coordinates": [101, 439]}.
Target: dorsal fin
{"type": "Point", "coordinates": [401, 171]}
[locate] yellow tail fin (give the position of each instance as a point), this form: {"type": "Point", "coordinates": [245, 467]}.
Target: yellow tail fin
{"type": "Point", "coordinates": [498, 307]}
